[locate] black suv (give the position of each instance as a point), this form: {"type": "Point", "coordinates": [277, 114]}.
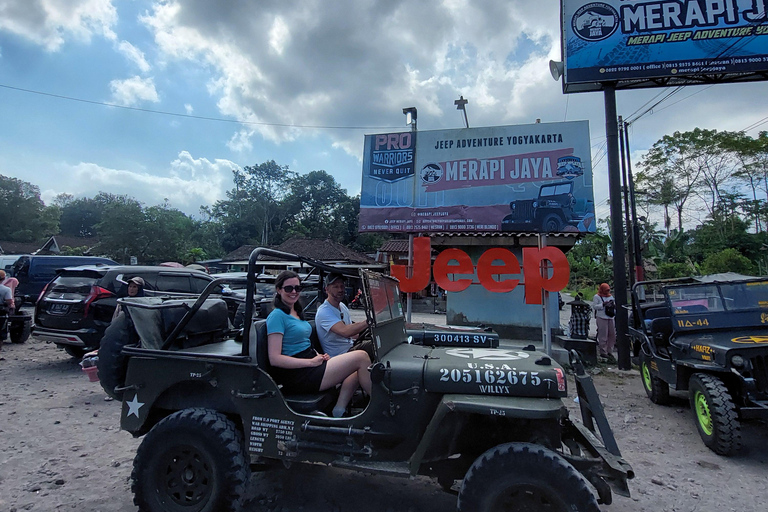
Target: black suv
{"type": "Point", "coordinates": [76, 307]}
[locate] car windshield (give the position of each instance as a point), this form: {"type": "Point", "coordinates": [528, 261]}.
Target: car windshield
{"type": "Point", "coordinates": [385, 298]}
{"type": "Point", "coordinates": [556, 190]}
{"type": "Point", "coordinates": [718, 297]}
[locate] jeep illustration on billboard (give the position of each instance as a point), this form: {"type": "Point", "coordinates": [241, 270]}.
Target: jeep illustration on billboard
{"type": "Point", "coordinates": [554, 210]}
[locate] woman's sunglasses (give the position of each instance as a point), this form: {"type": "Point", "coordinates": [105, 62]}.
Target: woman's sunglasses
{"type": "Point", "coordinates": [291, 289]}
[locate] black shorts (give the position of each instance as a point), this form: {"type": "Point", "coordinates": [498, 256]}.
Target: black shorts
{"type": "Point", "coordinates": [300, 380]}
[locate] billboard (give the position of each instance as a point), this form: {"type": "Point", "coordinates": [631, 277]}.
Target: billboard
{"type": "Point", "coordinates": [640, 43]}
{"type": "Point", "coordinates": [524, 178]}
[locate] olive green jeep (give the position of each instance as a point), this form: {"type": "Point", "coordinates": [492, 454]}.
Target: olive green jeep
{"type": "Point", "coordinates": [487, 423]}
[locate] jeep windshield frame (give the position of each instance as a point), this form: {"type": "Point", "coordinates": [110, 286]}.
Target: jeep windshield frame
{"type": "Point", "coordinates": [718, 305]}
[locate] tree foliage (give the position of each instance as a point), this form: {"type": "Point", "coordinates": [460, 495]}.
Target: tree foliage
{"type": "Point", "coordinates": [24, 215]}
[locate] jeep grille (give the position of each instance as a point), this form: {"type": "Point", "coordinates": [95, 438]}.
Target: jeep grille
{"type": "Point", "coordinates": [760, 372]}
{"type": "Point", "coordinates": [523, 210]}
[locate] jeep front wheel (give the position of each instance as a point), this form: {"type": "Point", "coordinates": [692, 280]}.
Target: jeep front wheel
{"type": "Point", "coordinates": [656, 389]}
{"type": "Point", "coordinates": [192, 461]}
{"type": "Point", "coordinates": [715, 414]}
{"type": "Point", "coordinates": [518, 477]}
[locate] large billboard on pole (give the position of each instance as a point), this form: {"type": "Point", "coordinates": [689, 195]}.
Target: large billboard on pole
{"type": "Point", "coordinates": [640, 43]}
{"type": "Point", "coordinates": [523, 178]}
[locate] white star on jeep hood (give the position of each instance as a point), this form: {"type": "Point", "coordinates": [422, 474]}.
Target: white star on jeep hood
{"type": "Point", "coordinates": [134, 406]}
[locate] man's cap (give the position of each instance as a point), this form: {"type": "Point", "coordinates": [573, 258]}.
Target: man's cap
{"type": "Point", "coordinates": [137, 280]}
{"type": "Point", "coordinates": [333, 277]}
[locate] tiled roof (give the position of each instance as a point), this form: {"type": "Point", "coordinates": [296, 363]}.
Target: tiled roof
{"type": "Point", "coordinates": [323, 250]}
{"type": "Point", "coordinates": [392, 246]}
{"type": "Point", "coordinates": [315, 248]}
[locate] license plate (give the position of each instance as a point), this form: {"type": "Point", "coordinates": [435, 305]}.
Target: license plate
{"type": "Point", "coordinates": [58, 309]}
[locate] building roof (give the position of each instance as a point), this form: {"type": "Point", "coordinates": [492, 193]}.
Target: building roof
{"type": "Point", "coordinates": [50, 245]}
{"type": "Point", "coordinates": [322, 250]}
{"type": "Point", "coordinates": [315, 248]}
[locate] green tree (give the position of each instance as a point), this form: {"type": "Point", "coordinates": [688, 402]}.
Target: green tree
{"type": "Point", "coordinates": [318, 207]}
{"type": "Point", "coordinates": [727, 260]}
{"type": "Point", "coordinates": [24, 215]}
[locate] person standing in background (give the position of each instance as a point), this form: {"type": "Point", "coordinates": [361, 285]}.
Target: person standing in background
{"type": "Point", "coordinates": [605, 310]}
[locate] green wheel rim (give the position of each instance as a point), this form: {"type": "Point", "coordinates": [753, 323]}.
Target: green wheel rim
{"type": "Point", "coordinates": [647, 376]}
{"type": "Point", "coordinates": [702, 412]}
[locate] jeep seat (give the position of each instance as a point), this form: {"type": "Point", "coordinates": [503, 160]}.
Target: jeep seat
{"type": "Point", "coordinates": [661, 330]}
{"type": "Point", "coordinates": [301, 403]}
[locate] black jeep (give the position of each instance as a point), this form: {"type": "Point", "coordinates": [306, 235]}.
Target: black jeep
{"type": "Point", "coordinates": [709, 338]}
{"type": "Point", "coordinates": [490, 421]}
{"type": "Point", "coordinates": [554, 209]}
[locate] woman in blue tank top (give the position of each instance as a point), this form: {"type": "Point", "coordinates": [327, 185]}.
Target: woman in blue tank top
{"type": "Point", "coordinates": [295, 364]}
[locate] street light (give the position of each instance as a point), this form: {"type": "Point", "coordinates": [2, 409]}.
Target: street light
{"type": "Point", "coordinates": [410, 117]}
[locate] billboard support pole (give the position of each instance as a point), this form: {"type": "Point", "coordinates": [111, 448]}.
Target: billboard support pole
{"type": "Point", "coordinates": [617, 226]}
{"type": "Point", "coordinates": [625, 193]}
{"type": "Point", "coordinates": [409, 296]}
{"type": "Point", "coordinates": [545, 332]}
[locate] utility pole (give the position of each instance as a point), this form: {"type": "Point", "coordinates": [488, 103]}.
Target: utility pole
{"type": "Point", "coordinates": [617, 226]}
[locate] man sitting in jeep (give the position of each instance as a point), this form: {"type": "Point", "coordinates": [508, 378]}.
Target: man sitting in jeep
{"type": "Point", "coordinates": [335, 329]}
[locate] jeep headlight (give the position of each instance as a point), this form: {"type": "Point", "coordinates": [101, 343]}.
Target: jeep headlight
{"type": "Point", "coordinates": [737, 361]}
{"type": "Point", "coordinates": [535, 204]}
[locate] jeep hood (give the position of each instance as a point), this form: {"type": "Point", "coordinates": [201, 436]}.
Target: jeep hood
{"type": "Point", "coordinates": [493, 371]}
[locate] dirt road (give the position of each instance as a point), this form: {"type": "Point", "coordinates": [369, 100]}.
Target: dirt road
{"type": "Point", "coordinates": [61, 449]}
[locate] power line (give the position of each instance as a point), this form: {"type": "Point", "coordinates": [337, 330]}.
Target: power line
{"type": "Point", "coordinates": [191, 116]}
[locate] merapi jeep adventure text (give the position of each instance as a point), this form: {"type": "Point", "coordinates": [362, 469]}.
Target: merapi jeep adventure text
{"type": "Point", "coordinates": [489, 422]}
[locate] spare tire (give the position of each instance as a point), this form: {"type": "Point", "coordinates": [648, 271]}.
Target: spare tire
{"type": "Point", "coordinates": [112, 364]}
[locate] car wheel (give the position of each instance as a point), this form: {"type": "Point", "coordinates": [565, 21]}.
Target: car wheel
{"type": "Point", "coordinates": [551, 224]}
{"type": "Point", "coordinates": [112, 364]}
{"type": "Point", "coordinates": [656, 389]}
{"type": "Point", "coordinates": [192, 460]}
{"type": "Point", "coordinates": [75, 352]}
{"type": "Point", "coordinates": [521, 477]}
{"type": "Point", "coordinates": [19, 328]}
{"type": "Point", "coordinates": [715, 414]}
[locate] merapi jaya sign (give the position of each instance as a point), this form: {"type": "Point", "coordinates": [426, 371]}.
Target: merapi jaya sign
{"type": "Point", "coordinates": [496, 261]}
{"type": "Point", "coordinates": [640, 43]}
{"type": "Point", "coordinates": [525, 178]}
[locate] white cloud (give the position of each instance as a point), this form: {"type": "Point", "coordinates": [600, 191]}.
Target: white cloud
{"type": "Point", "coordinates": [188, 109]}
{"type": "Point", "coordinates": [131, 91]}
{"type": "Point", "coordinates": [49, 23]}
{"type": "Point", "coordinates": [353, 63]}
{"type": "Point", "coordinates": [134, 55]}
{"type": "Point", "coordinates": [188, 183]}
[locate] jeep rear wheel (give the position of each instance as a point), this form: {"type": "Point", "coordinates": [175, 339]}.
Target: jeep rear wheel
{"type": "Point", "coordinates": [192, 461]}
{"type": "Point", "coordinates": [715, 414]}
{"type": "Point", "coordinates": [521, 477]}
{"type": "Point", "coordinates": [551, 224]}
{"type": "Point", "coordinates": [656, 389]}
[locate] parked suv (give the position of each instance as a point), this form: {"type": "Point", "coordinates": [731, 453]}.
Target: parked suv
{"type": "Point", "coordinates": [34, 272]}
{"type": "Point", "coordinates": [554, 209]}
{"type": "Point", "coordinates": [76, 307]}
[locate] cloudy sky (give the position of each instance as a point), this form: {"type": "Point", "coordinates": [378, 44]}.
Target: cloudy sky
{"type": "Point", "coordinates": [162, 99]}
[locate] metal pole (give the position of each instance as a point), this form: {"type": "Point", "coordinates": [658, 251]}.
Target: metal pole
{"type": "Point", "coordinates": [639, 269]}
{"type": "Point", "coordinates": [617, 226]}
{"type": "Point", "coordinates": [545, 333]}
{"type": "Point", "coordinates": [409, 297]}
{"type": "Point", "coordinates": [625, 193]}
